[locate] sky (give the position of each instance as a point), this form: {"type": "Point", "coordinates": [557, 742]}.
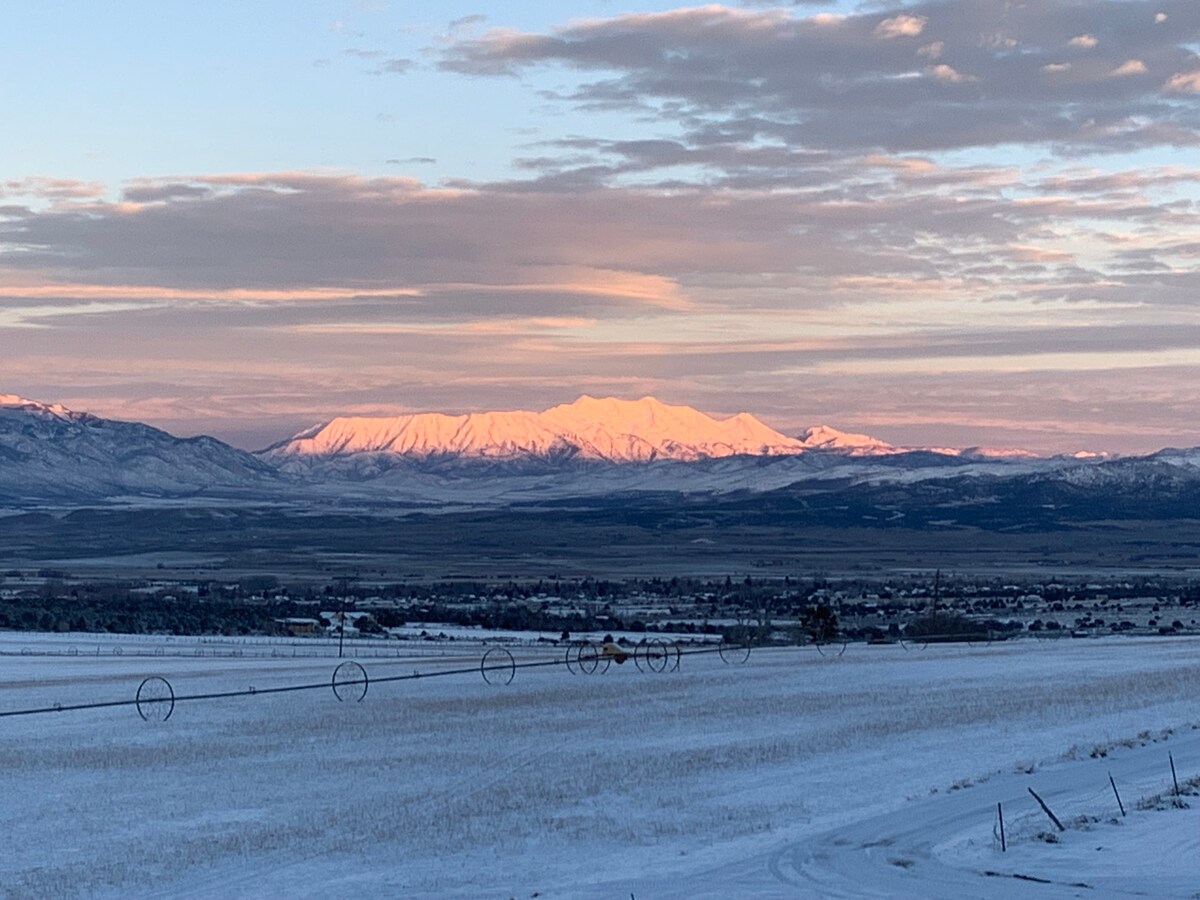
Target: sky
{"type": "Point", "coordinates": [941, 223]}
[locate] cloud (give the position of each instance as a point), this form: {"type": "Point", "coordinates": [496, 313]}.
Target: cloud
{"type": "Point", "coordinates": [1130, 67]}
{"type": "Point", "coordinates": [900, 26]}
{"type": "Point", "coordinates": [726, 75]}
{"type": "Point", "coordinates": [148, 191]}
{"type": "Point", "coordinates": [302, 232]}
{"type": "Point", "coordinates": [858, 229]}
{"type": "Point", "coordinates": [466, 22]}
{"type": "Point", "coordinates": [943, 72]}
{"type": "Point", "coordinates": [51, 188]}
{"type": "Point", "coordinates": [1184, 83]}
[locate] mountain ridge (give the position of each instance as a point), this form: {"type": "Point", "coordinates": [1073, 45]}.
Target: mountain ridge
{"type": "Point", "coordinates": [50, 452]}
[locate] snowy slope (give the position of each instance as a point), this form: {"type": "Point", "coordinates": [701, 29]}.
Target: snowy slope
{"type": "Point", "coordinates": [48, 452]}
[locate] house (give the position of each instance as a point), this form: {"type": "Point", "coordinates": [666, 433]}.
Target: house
{"type": "Point", "coordinates": [299, 626]}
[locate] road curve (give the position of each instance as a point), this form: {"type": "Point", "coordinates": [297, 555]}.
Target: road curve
{"type": "Point", "coordinates": [895, 855]}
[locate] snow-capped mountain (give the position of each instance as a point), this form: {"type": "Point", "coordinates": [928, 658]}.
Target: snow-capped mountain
{"type": "Point", "coordinates": [602, 450]}
{"type": "Point", "coordinates": [589, 430]}
{"type": "Point", "coordinates": [822, 437]}
{"type": "Point", "coordinates": [48, 452]}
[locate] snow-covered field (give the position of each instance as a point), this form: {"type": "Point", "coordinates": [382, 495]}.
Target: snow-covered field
{"type": "Point", "coordinates": [873, 774]}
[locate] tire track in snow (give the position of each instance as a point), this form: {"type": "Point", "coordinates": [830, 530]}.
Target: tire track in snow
{"type": "Point", "coordinates": [895, 855]}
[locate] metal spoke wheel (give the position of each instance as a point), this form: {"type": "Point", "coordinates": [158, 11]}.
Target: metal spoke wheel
{"type": "Point", "coordinates": [155, 699]}
{"type": "Point", "coordinates": [498, 666]}
{"type": "Point", "coordinates": [591, 660]}
{"type": "Point", "coordinates": [639, 653]}
{"type": "Point", "coordinates": [657, 655]}
{"type": "Point", "coordinates": [734, 653]}
{"type": "Point", "coordinates": [571, 657]}
{"type": "Point", "coordinates": [830, 648]}
{"type": "Point", "coordinates": [350, 682]}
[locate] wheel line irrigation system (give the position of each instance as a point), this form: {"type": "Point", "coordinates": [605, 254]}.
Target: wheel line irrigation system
{"type": "Point", "coordinates": [156, 698]}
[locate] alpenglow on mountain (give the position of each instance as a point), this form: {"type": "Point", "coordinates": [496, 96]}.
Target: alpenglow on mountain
{"type": "Point", "coordinates": [601, 430]}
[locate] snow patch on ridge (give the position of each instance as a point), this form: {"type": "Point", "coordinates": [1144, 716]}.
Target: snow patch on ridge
{"type": "Point", "coordinates": [999, 453]}
{"type": "Point", "coordinates": [21, 404]}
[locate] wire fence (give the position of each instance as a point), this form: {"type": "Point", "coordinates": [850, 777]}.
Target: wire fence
{"type": "Point", "coordinates": [1039, 820]}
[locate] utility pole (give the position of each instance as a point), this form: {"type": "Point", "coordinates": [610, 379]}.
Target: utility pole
{"type": "Point", "coordinates": [341, 625]}
{"type": "Point", "coordinates": [934, 625]}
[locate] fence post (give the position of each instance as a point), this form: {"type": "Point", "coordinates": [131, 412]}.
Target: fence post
{"type": "Point", "coordinates": [1046, 809]}
{"type": "Point", "coordinates": [1003, 843]}
{"type": "Point", "coordinates": [1173, 777]}
{"type": "Point", "coordinates": [1120, 805]}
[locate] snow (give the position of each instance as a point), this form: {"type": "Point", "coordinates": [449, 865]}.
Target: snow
{"type": "Point", "coordinates": [15, 402]}
{"type": "Point", "coordinates": [822, 437]}
{"type": "Point", "coordinates": [1005, 452]}
{"type": "Point", "coordinates": [794, 775]}
{"type": "Point", "coordinates": [606, 429]}
{"type": "Point", "coordinates": [50, 452]}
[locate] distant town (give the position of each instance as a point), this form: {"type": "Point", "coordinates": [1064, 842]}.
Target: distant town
{"type": "Point", "coordinates": [778, 610]}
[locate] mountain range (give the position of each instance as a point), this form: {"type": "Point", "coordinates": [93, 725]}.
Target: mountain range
{"type": "Point", "coordinates": [592, 448]}
{"type": "Point", "coordinates": [590, 430]}
{"type": "Point", "coordinates": [595, 430]}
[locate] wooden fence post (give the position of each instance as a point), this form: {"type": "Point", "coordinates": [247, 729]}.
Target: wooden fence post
{"type": "Point", "coordinates": [1046, 809]}
{"type": "Point", "coordinates": [1118, 796]}
{"type": "Point", "coordinates": [1174, 778]}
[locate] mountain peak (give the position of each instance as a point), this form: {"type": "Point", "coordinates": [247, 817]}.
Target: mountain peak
{"type": "Point", "coordinates": [822, 437]}
{"type": "Point", "coordinates": [615, 409]}
{"type": "Point", "coordinates": [25, 405]}
{"type": "Point", "coordinates": [590, 428]}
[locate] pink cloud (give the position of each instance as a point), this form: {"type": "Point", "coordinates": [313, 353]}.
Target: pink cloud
{"type": "Point", "coordinates": [900, 26]}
